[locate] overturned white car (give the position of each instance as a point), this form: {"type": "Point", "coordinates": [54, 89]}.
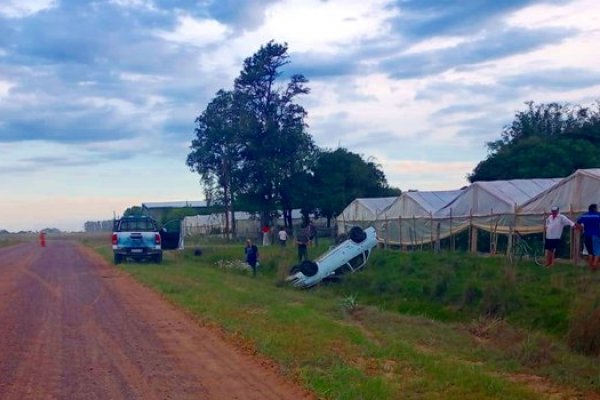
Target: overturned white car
{"type": "Point", "coordinates": [348, 256]}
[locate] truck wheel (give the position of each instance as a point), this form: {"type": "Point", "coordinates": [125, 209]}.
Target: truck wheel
{"type": "Point", "coordinates": [357, 235]}
{"type": "Point", "coordinates": [118, 259]}
{"type": "Point", "coordinates": [158, 258]}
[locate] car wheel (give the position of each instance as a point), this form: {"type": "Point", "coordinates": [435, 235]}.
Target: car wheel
{"type": "Point", "coordinates": [158, 258]}
{"type": "Point", "coordinates": [357, 235]}
{"type": "Point", "coordinates": [309, 268]}
{"type": "Point", "coordinates": [118, 259]}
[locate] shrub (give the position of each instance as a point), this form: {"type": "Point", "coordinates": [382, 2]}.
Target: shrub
{"type": "Point", "coordinates": [349, 303]}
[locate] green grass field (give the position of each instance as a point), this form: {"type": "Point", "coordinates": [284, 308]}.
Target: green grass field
{"type": "Point", "coordinates": [410, 326]}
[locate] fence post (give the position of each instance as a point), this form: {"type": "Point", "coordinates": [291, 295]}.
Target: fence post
{"type": "Point", "coordinates": [451, 232]}
{"type": "Point", "coordinates": [431, 231]}
{"type": "Point", "coordinates": [574, 239]}
{"type": "Point", "coordinates": [473, 235]}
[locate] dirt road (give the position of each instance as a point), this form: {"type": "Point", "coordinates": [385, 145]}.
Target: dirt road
{"type": "Point", "coordinates": [74, 327]}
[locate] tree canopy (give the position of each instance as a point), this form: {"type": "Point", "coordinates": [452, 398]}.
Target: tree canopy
{"type": "Point", "coordinates": [250, 142]}
{"type": "Point", "coordinates": [341, 176]}
{"type": "Point", "coordinates": [544, 141]}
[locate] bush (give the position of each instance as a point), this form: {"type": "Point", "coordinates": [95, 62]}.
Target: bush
{"type": "Point", "coordinates": [583, 335]}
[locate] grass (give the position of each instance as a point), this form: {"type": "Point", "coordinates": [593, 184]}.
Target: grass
{"type": "Point", "coordinates": [415, 325]}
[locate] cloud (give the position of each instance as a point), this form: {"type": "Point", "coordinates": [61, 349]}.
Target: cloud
{"type": "Point", "coordinates": [428, 18]}
{"type": "Point", "coordinates": [244, 15]}
{"type": "Point", "coordinates": [25, 8]}
{"type": "Point", "coordinates": [554, 79]}
{"type": "Point", "coordinates": [489, 47]}
{"type": "Point", "coordinates": [198, 33]}
{"type": "Point", "coordinates": [143, 4]}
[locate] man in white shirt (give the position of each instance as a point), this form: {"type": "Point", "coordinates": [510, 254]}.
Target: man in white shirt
{"type": "Point", "coordinates": [554, 228]}
{"type": "Point", "coordinates": [282, 237]}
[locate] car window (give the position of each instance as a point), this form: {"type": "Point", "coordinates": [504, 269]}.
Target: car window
{"type": "Point", "coordinates": [137, 225]}
{"type": "Point", "coordinates": [357, 261]}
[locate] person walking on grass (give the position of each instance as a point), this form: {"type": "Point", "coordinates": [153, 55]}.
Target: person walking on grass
{"type": "Point", "coordinates": [251, 252]}
{"type": "Point", "coordinates": [590, 221]}
{"type": "Point", "coordinates": [554, 229]}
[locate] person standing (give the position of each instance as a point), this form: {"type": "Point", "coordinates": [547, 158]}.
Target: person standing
{"type": "Point", "coordinates": [312, 232]}
{"type": "Point", "coordinates": [554, 229]}
{"type": "Point", "coordinates": [591, 234]}
{"type": "Point", "coordinates": [42, 239]}
{"type": "Point", "coordinates": [251, 252]}
{"type": "Point", "coordinates": [282, 234]}
{"type": "Point", "coordinates": [265, 231]}
{"type": "Point", "coordinates": [302, 243]}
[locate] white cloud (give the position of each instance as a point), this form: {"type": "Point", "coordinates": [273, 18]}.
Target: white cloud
{"type": "Point", "coordinates": [5, 87]}
{"type": "Point", "coordinates": [437, 43]}
{"type": "Point", "coordinates": [142, 78]}
{"type": "Point", "coordinates": [25, 8]}
{"type": "Point", "coordinates": [193, 32]}
{"type": "Point", "coordinates": [325, 26]}
{"type": "Point", "coordinates": [305, 25]}
{"type": "Point", "coordinates": [147, 4]}
{"type": "Point", "coordinates": [581, 15]}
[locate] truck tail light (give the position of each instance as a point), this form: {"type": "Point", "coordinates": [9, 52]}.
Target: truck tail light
{"type": "Point", "coordinates": [157, 238]}
{"type": "Point", "coordinates": [114, 239]}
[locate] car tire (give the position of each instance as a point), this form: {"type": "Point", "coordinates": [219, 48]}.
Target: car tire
{"type": "Point", "coordinates": [158, 258]}
{"type": "Point", "coordinates": [357, 234]}
{"type": "Point", "coordinates": [118, 259]}
{"type": "Point", "coordinates": [309, 268]}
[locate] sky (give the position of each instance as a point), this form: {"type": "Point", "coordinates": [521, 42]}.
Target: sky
{"type": "Point", "coordinates": [98, 98]}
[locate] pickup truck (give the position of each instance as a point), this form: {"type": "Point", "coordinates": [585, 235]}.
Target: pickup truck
{"type": "Point", "coordinates": [138, 238]}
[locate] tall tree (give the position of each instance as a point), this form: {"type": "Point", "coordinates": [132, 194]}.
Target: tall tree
{"type": "Point", "coordinates": [276, 144]}
{"type": "Point", "coordinates": [216, 152]}
{"type": "Point", "coordinates": [342, 176]}
{"type": "Point", "coordinates": [544, 141]}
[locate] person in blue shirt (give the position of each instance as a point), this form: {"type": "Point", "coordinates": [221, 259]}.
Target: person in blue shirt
{"type": "Point", "coordinates": [591, 234]}
{"type": "Point", "coordinates": [251, 252]}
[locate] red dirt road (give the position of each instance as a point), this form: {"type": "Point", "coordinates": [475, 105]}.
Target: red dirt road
{"type": "Point", "coordinates": [74, 327]}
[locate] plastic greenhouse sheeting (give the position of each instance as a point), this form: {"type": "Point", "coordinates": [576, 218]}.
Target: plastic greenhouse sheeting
{"type": "Point", "coordinates": [419, 204]}
{"type": "Point", "coordinates": [362, 212]}
{"type": "Point", "coordinates": [489, 206]}
{"type": "Point", "coordinates": [408, 220]}
{"type": "Point", "coordinates": [572, 195]}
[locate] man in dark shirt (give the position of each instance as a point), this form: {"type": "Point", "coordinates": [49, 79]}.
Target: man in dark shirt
{"type": "Point", "coordinates": [591, 234]}
{"type": "Point", "coordinates": [302, 243]}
